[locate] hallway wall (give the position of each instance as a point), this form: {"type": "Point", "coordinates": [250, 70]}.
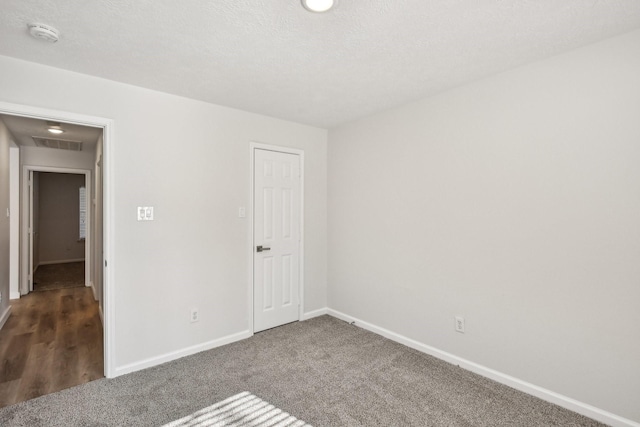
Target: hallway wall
{"type": "Point", "coordinates": [59, 218]}
{"type": "Point", "coordinates": [5, 141]}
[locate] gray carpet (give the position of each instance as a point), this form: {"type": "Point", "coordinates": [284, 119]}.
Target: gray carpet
{"type": "Point", "coordinates": [242, 410]}
{"type": "Point", "coordinates": [323, 371]}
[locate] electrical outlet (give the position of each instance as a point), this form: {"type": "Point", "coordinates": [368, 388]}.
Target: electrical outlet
{"type": "Point", "coordinates": [460, 324]}
{"type": "Point", "coordinates": [194, 315]}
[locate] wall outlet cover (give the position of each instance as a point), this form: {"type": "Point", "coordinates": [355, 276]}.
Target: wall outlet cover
{"type": "Point", "coordinates": [460, 324]}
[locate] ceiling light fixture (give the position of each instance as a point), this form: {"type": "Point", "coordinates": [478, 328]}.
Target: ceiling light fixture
{"type": "Point", "coordinates": [55, 128]}
{"type": "Point", "coordinates": [318, 6]}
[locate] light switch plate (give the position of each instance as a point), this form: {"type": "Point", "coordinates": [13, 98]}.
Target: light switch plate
{"type": "Point", "coordinates": [145, 213]}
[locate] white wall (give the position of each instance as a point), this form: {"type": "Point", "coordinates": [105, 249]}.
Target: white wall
{"type": "Point", "coordinates": [59, 217]}
{"type": "Point", "coordinates": [190, 160]}
{"type": "Point", "coordinates": [514, 202]}
{"type": "Point", "coordinates": [41, 156]}
{"type": "Point", "coordinates": [5, 141]}
{"type": "Point", "coordinates": [14, 220]}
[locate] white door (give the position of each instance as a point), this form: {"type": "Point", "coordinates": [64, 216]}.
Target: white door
{"type": "Point", "coordinates": [31, 239]}
{"type": "Point", "coordinates": [276, 252]}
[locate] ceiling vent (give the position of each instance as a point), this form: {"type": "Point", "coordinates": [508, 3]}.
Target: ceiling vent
{"type": "Point", "coordinates": [60, 144]}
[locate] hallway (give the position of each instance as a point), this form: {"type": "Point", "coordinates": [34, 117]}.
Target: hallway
{"type": "Point", "coordinates": [52, 341]}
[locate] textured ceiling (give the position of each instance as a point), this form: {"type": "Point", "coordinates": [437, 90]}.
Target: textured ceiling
{"type": "Point", "coordinates": [24, 129]}
{"type": "Point", "coordinates": [275, 58]}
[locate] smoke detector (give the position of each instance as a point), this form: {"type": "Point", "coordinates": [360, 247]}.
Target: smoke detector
{"type": "Point", "coordinates": [44, 32]}
{"type": "Point", "coordinates": [318, 6]}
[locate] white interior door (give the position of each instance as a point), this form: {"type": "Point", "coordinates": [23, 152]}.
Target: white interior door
{"type": "Point", "coordinates": [30, 231]}
{"type": "Point", "coordinates": [276, 256]}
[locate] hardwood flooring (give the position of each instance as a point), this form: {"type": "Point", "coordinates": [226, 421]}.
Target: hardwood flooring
{"type": "Point", "coordinates": [51, 341]}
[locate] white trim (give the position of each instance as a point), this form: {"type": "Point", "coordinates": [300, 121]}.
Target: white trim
{"type": "Point", "coordinates": [14, 295]}
{"type": "Point", "coordinates": [260, 146]}
{"type": "Point", "coordinates": [168, 357]}
{"type": "Point", "coordinates": [62, 261]}
{"type": "Point", "coordinates": [93, 290]}
{"type": "Point", "coordinates": [315, 313]}
{"type": "Point", "coordinates": [14, 221]}
{"type": "Point", "coordinates": [526, 387]}
{"type": "Point", "coordinates": [107, 126]}
{"type": "Point", "coordinates": [26, 244]}
{"type": "Point", "coordinates": [108, 226]}
{"type": "Point", "coordinates": [5, 316]}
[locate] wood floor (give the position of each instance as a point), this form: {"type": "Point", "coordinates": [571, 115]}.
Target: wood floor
{"type": "Point", "coordinates": [51, 341]}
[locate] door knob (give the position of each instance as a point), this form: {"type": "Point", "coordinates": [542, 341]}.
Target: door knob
{"type": "Point", "coordinates": [260, 249]}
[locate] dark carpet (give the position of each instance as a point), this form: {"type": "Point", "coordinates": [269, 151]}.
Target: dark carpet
{"type": "Point", "coordinates": [323, 371]}
{"type": "Point", "coordinates": [58, 276]}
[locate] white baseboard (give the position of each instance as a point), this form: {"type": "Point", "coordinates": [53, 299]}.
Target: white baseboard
{"type": "Point", "coordinates": [168, 357]}
{"type": "Point", "coordinates": [5, 316]}
{"type": "Point", "coordinates": [14, 295]}
{"type": "Point", "coordinates": [315, 313]}
{"type": "Point", "coordinates": [532, 389]}
{"type": "Point", "coordinates": [93, 289]}
{"type": "Point", "coordinates": [62, 261]}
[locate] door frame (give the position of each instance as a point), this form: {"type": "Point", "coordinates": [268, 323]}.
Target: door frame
{"type": "Point", "coordinates": [108, 183]}
{"type": "Point", "coordinates": [26, 286]}
{"type": "Point", "coordinates": [253, 146]}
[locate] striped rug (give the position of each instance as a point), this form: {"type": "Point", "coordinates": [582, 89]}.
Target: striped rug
{"type": "Point", "coordinates": [243, 409]}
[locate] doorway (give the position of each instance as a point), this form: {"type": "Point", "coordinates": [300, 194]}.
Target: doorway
{"type": "Point", "coordinates": [277, 238]}
{"type": "Point", "coordinates": [53, 338]}
{"type": "Point", "coordinates": [105, 266]}
{"type": "Point", "coordinates": [56, 228]}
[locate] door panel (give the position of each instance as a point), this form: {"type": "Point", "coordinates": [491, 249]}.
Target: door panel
{"type": "Point", "coordinates": [276, 261]}
{"type": "Point", "coordinates": [31, 231]}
